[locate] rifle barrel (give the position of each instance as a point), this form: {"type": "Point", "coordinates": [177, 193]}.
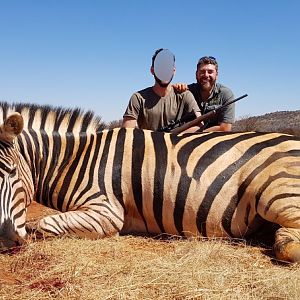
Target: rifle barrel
{"type": "Point", "coordinates": [204, 117]}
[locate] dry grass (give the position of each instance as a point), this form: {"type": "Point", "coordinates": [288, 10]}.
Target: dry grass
{"type": "Point", "coordinates": [128, 267]}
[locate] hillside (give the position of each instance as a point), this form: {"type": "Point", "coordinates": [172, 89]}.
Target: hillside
{"type": "Point", "coordinates": [281, 121]}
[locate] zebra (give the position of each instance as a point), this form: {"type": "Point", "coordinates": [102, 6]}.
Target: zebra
{"type": "Point", "coordinates": [17, 179]}
{"type": "Point", "coordinates": [128, 180]}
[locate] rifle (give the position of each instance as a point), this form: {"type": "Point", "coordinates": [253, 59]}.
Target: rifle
{"type": "Point", "coordinates": [188, 120]}
{"type": "Point", "coordinates": [175, 124]}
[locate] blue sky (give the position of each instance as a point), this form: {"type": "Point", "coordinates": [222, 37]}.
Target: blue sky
{"type": "Point", "coordinates": [95, 54]}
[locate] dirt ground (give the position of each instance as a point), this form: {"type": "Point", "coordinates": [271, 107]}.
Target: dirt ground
{"type": "Point", "coordinates": [37, 211]}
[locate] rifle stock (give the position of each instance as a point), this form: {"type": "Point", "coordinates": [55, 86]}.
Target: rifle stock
{"type": "Point", "coordinates": [198, 120]}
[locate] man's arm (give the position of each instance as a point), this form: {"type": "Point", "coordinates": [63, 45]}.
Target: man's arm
{"type": "Point", "coordinates": [131, 113]}
{"type": "Point", "coordinates": [195, 128]}
{"type": "Point", "coordinates": [129, 122]}
{"type": "Point", "coordinates": [221, 127]}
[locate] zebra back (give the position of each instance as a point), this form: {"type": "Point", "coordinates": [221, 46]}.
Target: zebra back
{"type": "Point", "coordinates": [52, 119]}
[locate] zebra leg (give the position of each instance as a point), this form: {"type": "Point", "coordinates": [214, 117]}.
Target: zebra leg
{"type": "Point", "coordinates": [287, 244]}
{"type": "Point", "coordinates": [283, 208]}
{"type": "Point", "coordinates": [94, 221]}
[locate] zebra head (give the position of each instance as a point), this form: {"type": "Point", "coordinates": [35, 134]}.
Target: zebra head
{"type": "Point", "coordinates": [13, 194]}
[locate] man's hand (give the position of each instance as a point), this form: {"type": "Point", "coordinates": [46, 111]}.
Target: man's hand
{"type": "Point", "coordinates": [180, 87]}
{"type": "Point", "coordinates": [221, 127]}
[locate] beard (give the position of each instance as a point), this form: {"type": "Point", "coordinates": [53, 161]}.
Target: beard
{"type": "Point", "coordinates": [163, 84]}
{"type": "Point", "coordinates": [206, 85]}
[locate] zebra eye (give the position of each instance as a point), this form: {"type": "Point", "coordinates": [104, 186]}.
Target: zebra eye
{"type": "Point", "coordinates": [10, 170]}
{"type": "Point", "coordinates": [13, 171]}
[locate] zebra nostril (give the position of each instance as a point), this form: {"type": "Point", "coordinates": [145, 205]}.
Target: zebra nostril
{"type": "Point", "coordinates": [17, 241]}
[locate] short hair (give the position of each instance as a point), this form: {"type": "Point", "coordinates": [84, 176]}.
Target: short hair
{"type": "Point", "coordinates": [155, 54]}
{"type": "Point", "coordinates": [205, 60]}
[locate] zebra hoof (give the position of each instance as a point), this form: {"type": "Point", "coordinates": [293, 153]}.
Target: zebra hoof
{"type": "Point", "coordinates": [289, 253]}
{"type": "Point", "coordinates": [33, 231]}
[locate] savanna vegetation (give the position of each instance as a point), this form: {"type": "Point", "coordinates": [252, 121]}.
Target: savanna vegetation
{"type": "Point", "coordinates": [282, 121]}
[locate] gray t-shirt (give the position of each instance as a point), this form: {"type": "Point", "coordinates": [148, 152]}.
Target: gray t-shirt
{"type": "Point", "coordinates": [219, 96]}
{"type": "Point", "coordinates": [153, 112]}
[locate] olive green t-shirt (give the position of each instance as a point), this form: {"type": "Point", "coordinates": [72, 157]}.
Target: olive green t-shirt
{"type": "Point", "coordinates": [153, 112]}
{"type": "Point", "coordinates": [220, 95]}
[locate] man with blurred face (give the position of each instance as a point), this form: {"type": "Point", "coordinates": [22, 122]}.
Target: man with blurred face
{"type": "Point", "coordinates": [209, 95]}
{"type": "Point", "coordinates": [157, 106]}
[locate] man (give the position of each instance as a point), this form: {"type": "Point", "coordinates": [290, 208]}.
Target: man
{"type": "Point", "coordinates": [155, 107]}
{"type": "Point", "coordinates": [209, 94]}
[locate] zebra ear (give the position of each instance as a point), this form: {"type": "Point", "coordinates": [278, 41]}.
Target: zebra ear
{"type": "Point", "coordinates": [12, 127]}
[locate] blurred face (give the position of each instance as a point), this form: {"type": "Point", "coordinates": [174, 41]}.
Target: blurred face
{"type": "Point", "coordinates": [163, 67]}
{"type": "Point", "coordinates": [206, 76]}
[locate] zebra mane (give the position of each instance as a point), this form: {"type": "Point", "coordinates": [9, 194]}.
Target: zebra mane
{"type": "Point", "coordinates": [50, 118]}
